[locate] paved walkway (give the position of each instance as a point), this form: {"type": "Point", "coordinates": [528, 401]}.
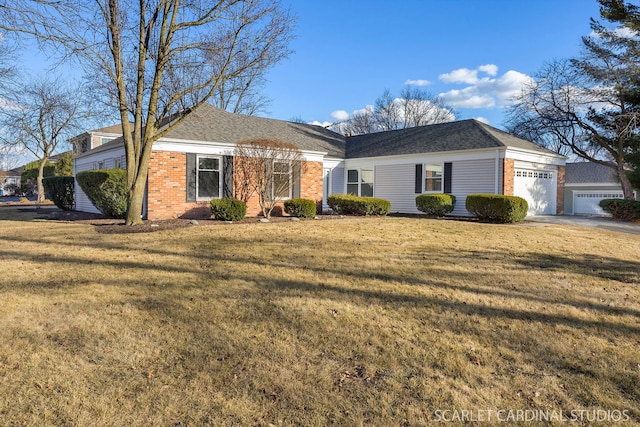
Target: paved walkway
{"type": "Point", "coordinates": [588, 221]}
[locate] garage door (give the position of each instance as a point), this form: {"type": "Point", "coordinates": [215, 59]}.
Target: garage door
{"type": "Point", "coordinates": [586, 202]}
{"type": "Point", "coordinates": [538, 188]}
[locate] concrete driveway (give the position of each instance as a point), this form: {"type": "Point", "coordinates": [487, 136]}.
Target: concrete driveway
{"type": "Point", "coordinates": [604, 223]}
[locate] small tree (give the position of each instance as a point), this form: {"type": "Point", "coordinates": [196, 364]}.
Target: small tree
{"type": "Point", "coordinates": [269, 169]}
{"type": "Point", "coordinates": [41, 116]}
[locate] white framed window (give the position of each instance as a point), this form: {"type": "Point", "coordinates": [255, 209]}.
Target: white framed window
{"type": "Point", "coordinates": [118, 163]}
{"type": "Point", "coordinates": [208, 173]}
{"type": "Point", "coordinates": [360, 182]}
{"type": "Point", "coordinates": [281, 180]}
{"type": "Point", "coordinates": [353, 186]}
{"type": "Point", "coordinates": [433, 178]}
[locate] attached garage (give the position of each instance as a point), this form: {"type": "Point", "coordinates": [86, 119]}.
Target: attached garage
{"type": "Point", "coordinates": [538, 187]}
{"type": "Point", "coordinates": [587, 202]}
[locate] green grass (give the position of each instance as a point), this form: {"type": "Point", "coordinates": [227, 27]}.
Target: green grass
{"type": "Point", "coordinates": [364, 321]}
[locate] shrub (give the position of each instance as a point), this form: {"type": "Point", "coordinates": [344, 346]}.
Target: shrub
{"type": "Point", "coordinates": [28, 179]}
{"type": "Point", "coordinates": [302, 208]}
{"type": "Point", "coordinates": [107, 190]}
{"type": "Point", "coordinates": [227, 209]}
{"type": "Point", "coordinates": [347, 204]}
{"type": "Point", "coordinates": [497, 208]}
{"type": "Point", "coordinates": [59, 189]}
{"type": "Point", "coordinates": [436, 204]}
{"type": "Point", "coordinates": [620, 209]}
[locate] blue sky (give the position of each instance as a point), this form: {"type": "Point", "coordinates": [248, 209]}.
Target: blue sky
{"type": "Point", "coordinates": [475, 53]}
{"type": "Point", "coordinates": [347, 52]}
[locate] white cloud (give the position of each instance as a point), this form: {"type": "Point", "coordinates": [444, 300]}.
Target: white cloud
{"type": "Point", "coordinates": [461, 75]}
{"type": "Point", "coordinates": [417, 82]}
{"type": "Point", "coordinates": [340, 115]}
{"type": "Point", "coordinates": [622, 31]}
{"type": "Point", "coordinates": [487, 92]}
{"type": "Point", "coordinates": [490, 69]}
{"type": "Point", "coordinates": [482, 119]}
{"type": "Point", "coordinates": [323, 124]}
{"type": "Point", "coordinates": [467, 76]}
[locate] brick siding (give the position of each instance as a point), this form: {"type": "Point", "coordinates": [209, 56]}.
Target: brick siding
{"type": "Point", "coordinates": [508, 176]}
{"type": "Point", "coordinates": [167, 188]}
{"type": "Point", "coordinates": [560, 191]}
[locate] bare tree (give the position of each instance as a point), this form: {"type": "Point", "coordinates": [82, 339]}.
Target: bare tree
{"type": "Point", "coordinates": [386, 112]}
{"type": "Point", "coordinates": [268, 169]}
{"type": "Point", "coordinates": [419, 107]}
{"type": "Point", "coordinates": [361, 122]}
{"type": "Point", "coordinates": [415, 107]}
{"type": "Point", "coordinates": [157, 60]}
{"type": "Point", "coordinates": [40, 116]}
{"type": "Point", "coordinates": [565, 107]}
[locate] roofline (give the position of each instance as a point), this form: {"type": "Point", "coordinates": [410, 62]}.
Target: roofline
{"type": "Point", "coordinates": [221, 144]}
{"type": "Point", "coordinates": [428, 153]}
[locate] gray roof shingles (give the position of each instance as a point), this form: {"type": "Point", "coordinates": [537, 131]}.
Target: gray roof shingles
{"type": "Point", "coordinates": [589, 172]}
{"type": "Point", "coordinates": [451, 136]}
{"type": "Point", "coordinates": [209, 123]}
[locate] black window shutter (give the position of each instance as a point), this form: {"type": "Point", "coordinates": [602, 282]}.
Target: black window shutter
{"type": "Point", "coordinates": [447, 178]}
{"type": "Point", "coordinates": [191, 177]}
{"type": "Point", "coordinates": [296, 178]}
{"type": "Point", "coordinates": [227, 176]}
{"type": "Point", "coordinates": [418, 179]}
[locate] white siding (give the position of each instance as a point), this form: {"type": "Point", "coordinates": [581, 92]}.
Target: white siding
{"type": "Point", "coordinates": [396, 183]}
{"type": "Point", "coordinates": [470, 177]}
{"type": "Point", "coordinates": [91, 162]}
{"type": "Point", "coordinates": [337, 179]}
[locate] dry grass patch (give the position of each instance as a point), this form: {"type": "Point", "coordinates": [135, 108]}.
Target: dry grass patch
{"type": "Point", "coordinates": [367, 321]}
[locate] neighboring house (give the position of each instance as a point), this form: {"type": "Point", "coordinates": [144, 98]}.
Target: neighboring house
{"type": "Point", "coordinates": [10, 182]}
{"type": "Point", "coordinates": [587, 183]}
{"type": "Point", "coordinates": [95, 138]}
{"type": "Point", "coordinates": [460, 158]}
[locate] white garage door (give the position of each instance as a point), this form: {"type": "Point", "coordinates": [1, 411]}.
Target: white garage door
{"type": "Point", "coordinates": [538, 188]}
{"type": "Point", "coordinates": [586, 202]}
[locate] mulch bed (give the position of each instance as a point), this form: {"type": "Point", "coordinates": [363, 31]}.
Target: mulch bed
{"type": "Point", "coordinates": [106, 225]}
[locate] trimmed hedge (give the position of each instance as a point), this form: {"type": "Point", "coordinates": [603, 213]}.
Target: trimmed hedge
{"type": "Point", "coordinates": [59, 189]}
{"type": "Point", "coordinates": [301, 208]}
{"type": "Point", "coordinates": [347, 204]}
{"type": "Point", "coordinates": [497, 208]}
{"type": "Point", "coordinates": [227, 209]}
{"type": "Point", "coordinates": [107, 190]}
{"type": "Point", "coordinates": [620, 209]}
{"type": "Point", "coordinates": [436, 204]}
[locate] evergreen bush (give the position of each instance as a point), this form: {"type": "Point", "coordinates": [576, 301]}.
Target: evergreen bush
{"type": "Point", "coordinates": [497, 208]}
{"type": "Point", "coordinates": [436, 204]}
{"type": "Point", "coordinates": [107, 190]}
{"type": "Point", "coordinates": [347, 204]}
{"type": "Point", "coordinates": [227, 209]}
{"type": "Point", "coordinates": [59, 189]}
{"type": "Point", "coordinates": [301, 208]}
{"type": "Point", "coordinates": [620, 209]}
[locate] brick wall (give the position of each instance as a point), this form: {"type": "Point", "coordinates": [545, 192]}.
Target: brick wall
{"type": "Point", "coordinates": [508, 175]}
{"type": "Point", "coordinates": [560, 191]}
{"type": "Point", "coordinates": [167, 188]}
{"type": "Point", "coordinates": [310, 188]}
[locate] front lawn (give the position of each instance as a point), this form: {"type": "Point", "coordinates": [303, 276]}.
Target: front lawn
{"type": "Point", "coordinates": [358, 321]}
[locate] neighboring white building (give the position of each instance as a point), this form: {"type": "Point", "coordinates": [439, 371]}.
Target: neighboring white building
{"type": "Point", "coordinates": [587, 183]}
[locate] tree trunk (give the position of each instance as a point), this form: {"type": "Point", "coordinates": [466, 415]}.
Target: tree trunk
{"type": "Point", "coordinates": [135, 202]}
{"type": "Point", "coordinates": [627, 188]}
{"type": "Point", "coordinates": [41, 164]}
